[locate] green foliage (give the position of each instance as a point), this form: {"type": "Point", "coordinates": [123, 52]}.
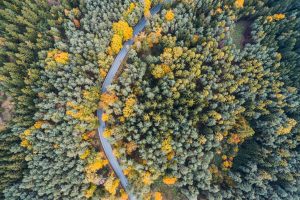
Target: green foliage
{"type": "Point", "coordinates": [207, 102]}
{"type": "Point", "coordinates": [11, 155]}
{"type": "Point", "coordinates": [11, 160]}
{"type": "Point", "coordinates": [204, 110]}
{"type": "Point", "coordinates": [62, 76]}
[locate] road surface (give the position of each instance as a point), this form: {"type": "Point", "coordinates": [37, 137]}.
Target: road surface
{"type": "Point", "coordinates": [107, 82]}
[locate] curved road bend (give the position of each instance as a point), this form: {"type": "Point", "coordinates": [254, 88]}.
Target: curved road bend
{"type": "Point", "coordinates": [107, 82]}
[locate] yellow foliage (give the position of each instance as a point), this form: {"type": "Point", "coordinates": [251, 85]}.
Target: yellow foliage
{"type": "Point", "coordinates": [152, 38]}
{"type": "Point", "coordinates": [105, 117]}
{"type": "Point", "coordinates": [130, 147]}
{"type": "Point", "coordinates": [219, 10]}
{"type": "Point", "coordinates": [81, 112]}
{"type": "Point", "coordinates": [144, 162]}
{"type": "Point", "coordinates": [291, 123]}
{"type": "Point", "coordinates": [243, 129]}
{"type": "Point", "coordinates": [91, 94]}
{"type": "Point", "coordinates": [62, 58]}
{"type": "Point", "coordinates": [167, 56]}
{"type": "Point", "coordinates": [130, 9]}
{"type": "Point", "coordinates": [202, 139]}
{"type": "Point", "coordinates": [146, 178]}
{"type": "Point", "coordinates": [111, 185]}
{"type": "Point", "coordinates": [278, 56]}
{"type": "Point", "coordinates": [265, 175]}
{"type": "Point", "coordinates": [292, 90]}
{"type": "Point", "coordinates": [76, 11]}
{"type": "Point", "coordinates": [234, 139]}
{"type": "Point", "coordinates": [171, 155]}
{"type": "Point", "coordinates": [38, 124]}
{"type": "Point", "coordinates": [171, 54]}
{"type": "Point", "coordinates": [51, 54]}
{"type": "Point", "coordinates": [130, 102]}
{"type": "Point", "coordinates": [283, 163]}
{"type": "Point", "coordinates": [124, 196]}
{"type": "Point", "coordinates": [116, 43]}
{"type": "Point", "coordinates": [216, 115]}
{"type": "Point", "coordinates": [97, 162]}
{"type": "Point", "coordinates": [169, 15]}
{"type": "Point", "coordinates": [160, 70]}
{"type": "Point", "coordinates": [116, 153]}
{"type": "Point", "coordinates": [284, 153]}
{"type": "Point", "coordinates": [55, 56]}
{"type": "Point", "coordinates": [107, 133]}
{"type": "Point", "coordinates": [195, 38]}
{"type": "Point", "coordinates": [235, 149]}
{"type": "Point", "coordinates": [213, 169]}
{"type": "Point", "coordinates": [157, 196]}
{"type": "Point", "coordinates": [27, 132]}
{"type": "Point", "coordinates": [218, 151]}
{"type": "Point", "coordinates": [25, 143]}
{"type": "Point", "coordinates": [122, 29]}
{"type": "Point", "coordinates": [270, 18]}
{"type": "Point", "coordinates": [279, 16]}
{"type": "Point", "coordinates": [102, 73]}
{"type": "Point", "coordinates": [89, 192]}
{"type": "Point", "coordinates": [227, 164]}
{"type": "Point", "coordinates": [239, 3]}
{"type": "Point", "coordinates": [147, 196]}
{"type": "Point", "coordinates": [107, 100]}
{"type": "Point", "coordinates": [219, 137]}
{"type": "Point", "coordinates": [122, 119]}
{"type": "Point", "coordinates": [177, 51]}
{"type": "Point", "coordinates": [96, 165]}
{"type": "Point", "coordinates": [169, 180]}
{"type": "Point", "coordinates": [88, 135]}
{"type": "Point", "coordinates": [276, 17]}
{"type": "Point", "coordinates": [128, 170]}
{"type": "Point", "coordinates": [85, 154]}
{"type": "Point", "coordinates": [128, 109]}
{"type": "Point", "coordinates": [147, 6]}
{"type": "Point", "coordinates": [127, 112]}
{"type": "Point", "coordinates": [146, 117]}
{"type": "Point", "coordinates": [2, 41]}
{"type": "Point", "coordinates": [3, 78]}
{"type": "Point", "coordinates": [166, 145]}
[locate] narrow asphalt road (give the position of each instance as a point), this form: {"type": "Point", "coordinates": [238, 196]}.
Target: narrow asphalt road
{"type": "Point", "coordinates": [107, 82]}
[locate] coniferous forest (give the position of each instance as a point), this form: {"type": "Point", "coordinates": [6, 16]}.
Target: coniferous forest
{"type": "Point", "coordinates": [150, 99]}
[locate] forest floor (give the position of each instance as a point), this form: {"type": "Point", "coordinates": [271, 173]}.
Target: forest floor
{"type": "Point", "coordinates": [241, 35]}
{"type": "Point", "coordinates": [6, 107]}
{"type": "Point", "coordinates": [169, 192]}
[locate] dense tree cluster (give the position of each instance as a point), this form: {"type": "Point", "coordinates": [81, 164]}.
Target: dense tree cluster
{"type": "Point", "coordinates": [206, 101]}
{"type": "Point", "coordinates": [24, 32]}
{"type": "Point", "coordinates": [11, 156]}
{"type": "Point", "coordinates": [220, 120]}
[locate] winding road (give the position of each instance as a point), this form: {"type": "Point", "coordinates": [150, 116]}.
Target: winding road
{"type": "Point", "coordinates": [107, 82]}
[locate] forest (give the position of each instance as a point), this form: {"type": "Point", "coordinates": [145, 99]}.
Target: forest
{"type": "Point", "coordinates": [150, 99]}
